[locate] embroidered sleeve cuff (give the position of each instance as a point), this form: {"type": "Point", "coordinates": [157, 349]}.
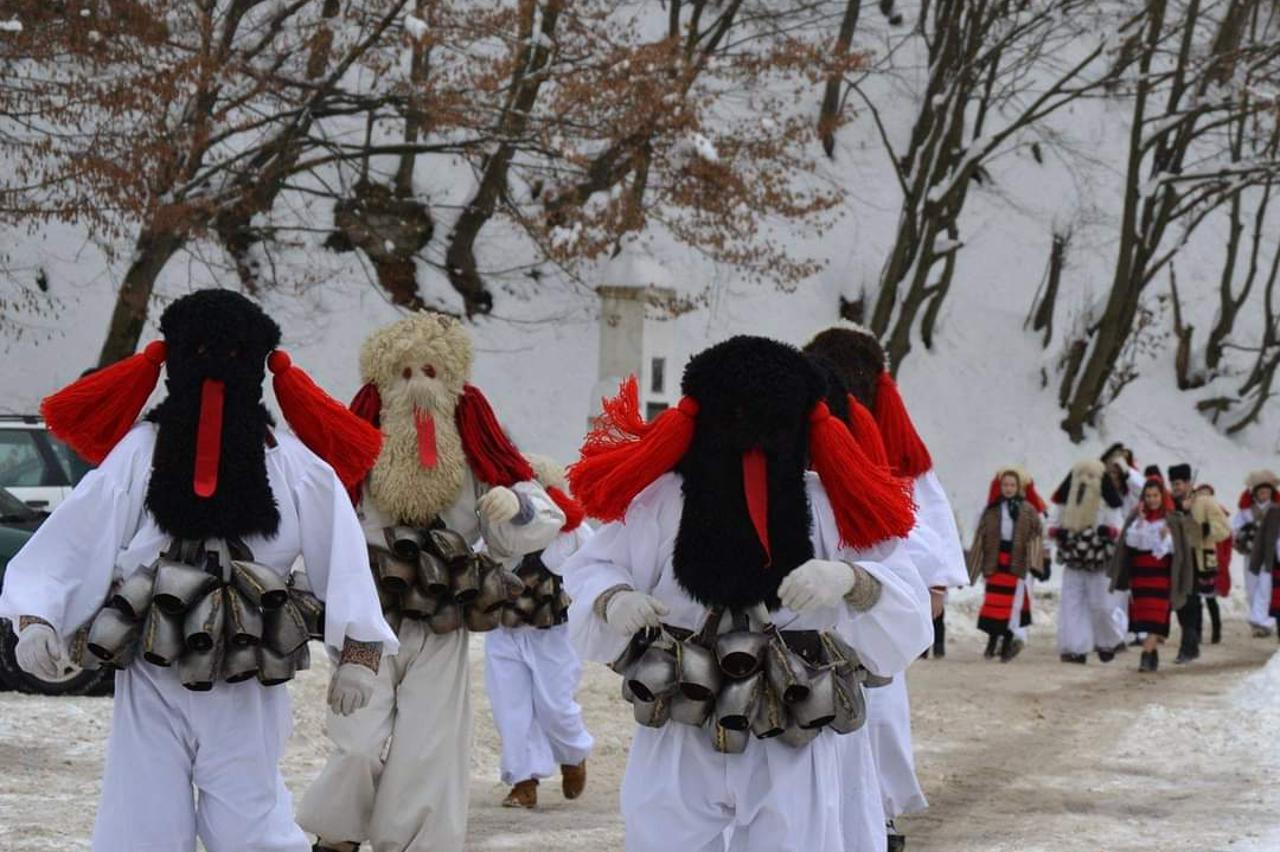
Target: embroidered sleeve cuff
{"type": "Point", "coordinates": [367, 654]}
{"type": "Point", "coordinates": [25, 621]}
{"type": "Point", "coordinates": [602, 603]}
{"type": "Point", "coordinates": [865, 591]}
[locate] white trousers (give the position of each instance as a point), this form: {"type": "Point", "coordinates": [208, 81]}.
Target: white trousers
{"type": "Point", "coordinates": [1015, 618]}
{"type": "Point", "coordinates": [182, 764]}
{"type": "Point", "coordinates": [1257, 589]}
{"type": "Point", "coordinates": [678, 793]}
{"type": "Point", "coordinates": [415, 798]}
{"type": "Point", "coordinates": [889, 732]}
{"type": "Point", "coordinates": [532, 676]}
{"type": "Point", "coordinates": [1088, 613]}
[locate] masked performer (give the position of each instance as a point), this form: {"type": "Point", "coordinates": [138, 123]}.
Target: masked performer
{"type": "Point", "coordinates": [1213, 564]}
{"type": "Point", "coordinates": [1153, 562]}
{"type": "Point", "coordinates": [1258, 509]}
{"type": "Point", "coordinates": [187, 531]}
{"type": "Point", "coordinates": [725, 552]}
{"type": "Point", "coordinates": [1088, 518]}
{"type": "Point", "coordinates": [446, 476]}
{"type": "Point", "coordinates": [859, 364]}
{"type": "Point", "coordinates": [531, 670]}
{"type": "Point", "coordinates": [1007, 550]}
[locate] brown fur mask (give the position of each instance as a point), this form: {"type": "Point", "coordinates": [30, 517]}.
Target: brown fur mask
{"type": "Point", "coordinates": [399, 359]}
{"type": "Point", "coordinates": [1084, 496]}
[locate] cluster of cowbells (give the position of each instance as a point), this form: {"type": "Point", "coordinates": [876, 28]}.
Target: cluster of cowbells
{"type": "Point", "coordinates": [543, 602]}
{"type": "Point", "coordinates": [1245, 537]}
{"type": "Point", "coordinates": [1087, 550]}
{"type": "Point", "coordinates": [208, 623]}
{"type": "Point", "coordinates": [434, 576]}
{"type": "Point", "coordinates": [745, 683]}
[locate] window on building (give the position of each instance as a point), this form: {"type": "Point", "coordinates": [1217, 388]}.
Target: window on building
{"type": "Point", "coordinates": [658, 375]}
{"type": "Point", "coordinates": [653, 409]}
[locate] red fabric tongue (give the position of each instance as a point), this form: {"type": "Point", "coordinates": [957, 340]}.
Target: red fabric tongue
{"type": "Point", "coordinates": [755, 483]}
{"type": "Point", "coordinates": [426, 426]}
{"type": "Point", "coordinates": [209, 438]}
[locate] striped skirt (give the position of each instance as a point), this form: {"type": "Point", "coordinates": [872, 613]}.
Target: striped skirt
{"type": "Point", "coordinates": [1150, 586]}
{"type": "Point", "coordinates": [1000, 594]}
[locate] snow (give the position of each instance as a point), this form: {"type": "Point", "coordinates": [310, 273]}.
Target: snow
{"type": "Point", "coordinates": [11, 26]}
{"type": "Point", "coordinates": [416, 27]}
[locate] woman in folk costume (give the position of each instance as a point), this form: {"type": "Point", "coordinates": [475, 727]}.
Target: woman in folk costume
{"type": "Point", "coordinates": [1125, 477]}
{"type": "Point", "coordinates": [1258, 509]}
{"type": "Point", "coordinates": [531, 670]}
{"type": "Point", "coordinates": [747, 524]}
{"type": "Point", "coordinates": [1213, 558]}
{"type": "Point", "coordinates": [859, 365]}
{"type": "Point", "coordinates": [447, 476]}
{"type": "Point", "coordinates": [1008, 550]}
{"type": "Point", "coordinates": [186, 532]}
{"type": "Point", "coordinates": [1154, 563]}
{"type": "Point", "coordinates": [1087, 521]}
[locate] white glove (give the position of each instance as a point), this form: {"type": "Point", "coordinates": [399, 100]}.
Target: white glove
{"type": "Point", "coordinates": [351, 688]}
{"type": "Point", "coordinates": [815, 584]}
{"type": "Point", "coordinates": [630, 612]}
{"type": "Point", "coordinates": [498, 505]}
{"type": "Point", "coordinates": [39, 651]}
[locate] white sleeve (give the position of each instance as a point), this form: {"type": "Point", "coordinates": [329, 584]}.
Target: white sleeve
{"type": "Point", "coordinates": [565, 545]}
{"type": "Point", "coordinates": [944, 563]}
{"type": "Point", "coordinates": [630, 553]}
{"type": "Point", "coordinates": [1113, 518]}
{"type": "Point", "coordinates": [337, 561]}
{"type": "Point", "coordinates": [1239, 520]}
{"type": "Point", "coordinates": [533, 529]}
{"type": "Point", "coordinates": [63, 572]}
{"type": "Point", "coordinates": [1161, 545]}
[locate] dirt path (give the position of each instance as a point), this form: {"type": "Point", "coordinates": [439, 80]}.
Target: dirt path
{"type": "Point", "coordinates": [1034, 755]}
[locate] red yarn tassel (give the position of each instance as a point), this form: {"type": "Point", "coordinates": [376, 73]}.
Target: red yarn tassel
{"type": "Point", "coordinates": [1034, 499]}
{"type": "Point", "coordinates": [908, 455]}
{"type": "Point", "coordinates": [349, 444]}
{"type": "Point", "coordinates": [1246, 499]}
{"type": "Point", "coordinates": [574, 514]}
{"type": "Point", "coordinates": [620, 421]}
{"type": "Point", "coordinates": [993, 493]}
{"type": "Point", "coordinates": [494, 460]}
{"type": "Point", "coordinates": [869, 502]}
{"type": "Point", "coordinates": [92, 414]}
{"type": "Point", "coordinates": [867, 432]}
{"type": "Point", "coordinates": [614, 468]}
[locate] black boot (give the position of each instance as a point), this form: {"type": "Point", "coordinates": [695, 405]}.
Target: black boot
{"type": "Point", "coordinates": [1215, 621]}
{"type": "Point", "coordinates": [1106, 655]}
{"type": "Point", "coordinates": [1010, 648]}
{"type": "Point", "coordinates": [1074, 658]}
{"type": "Point", "coordinates": [1145, 664]}
{"type": "Point", "coordinates": [991, 647]}
{"type": "Point", "coordinates": [940, 636]}
{"type": "Point", "coordinates": [896, 841]}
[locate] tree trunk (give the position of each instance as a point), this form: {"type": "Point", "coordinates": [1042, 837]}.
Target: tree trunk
{"type": "Point", "coordinates": [151, 252]}
{"type": "Point", "coordinates": [829, 114]}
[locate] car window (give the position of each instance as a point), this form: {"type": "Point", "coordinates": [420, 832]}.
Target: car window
{"type": "Point", "coordinates": [72, 465]}
{"type": "Point", "coordinates": [12, 507]}
{"type": "Point", "coordinates": [21, 465]}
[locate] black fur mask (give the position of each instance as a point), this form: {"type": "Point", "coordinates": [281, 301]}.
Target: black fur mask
{"type": "Point", "coordinates": [857, 358]}
{"type": "Point", "coordinates": [214, 334]}
{"type": "Point", "coordinates": [751, 392]}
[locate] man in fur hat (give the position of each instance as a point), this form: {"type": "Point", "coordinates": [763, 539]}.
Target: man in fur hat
{"type": "Point", "coordinates": [531, 670]}
{"type": "Point", "coordinates": [447, 476]}
{"type": "Point", "coordinates": [1088, 519]}
{"type": "Point", "coordinates": [718, 524]}
{"type": "Point", "coordinates": [1255, 526]}
{"type": "Point", "coordinates": [227, 503]}
{"type": "Point", "coordinates": [859, 363]}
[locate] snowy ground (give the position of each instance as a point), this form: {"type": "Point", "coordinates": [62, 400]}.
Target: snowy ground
{"type": "Point", "coordinates": [1034, 756]}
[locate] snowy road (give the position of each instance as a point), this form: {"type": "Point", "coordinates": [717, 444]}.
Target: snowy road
{"type": "Point", "coordinates": [1034, 756]}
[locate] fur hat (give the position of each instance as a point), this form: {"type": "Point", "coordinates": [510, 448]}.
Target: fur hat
{"type": "Point", "coordinates": [1258, 478]}
{"type": "Point", "coordinates": [1026, 486]}
{"type": "Point", "coordinates": [1180, 472]}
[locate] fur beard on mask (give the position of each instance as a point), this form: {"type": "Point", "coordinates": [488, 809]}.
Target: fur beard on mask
{"type": "Point", "coordinates": [398, 484]}
{"type": "Point", "coordinates": [1084, 499]}
{"type": "Point", "coordinates": [243, 503]}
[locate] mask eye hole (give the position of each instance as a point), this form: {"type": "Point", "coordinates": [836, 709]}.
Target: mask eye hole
{"type": "Point", "coordinates": [407, 373]}
{"type": "Point", "coordinates": [428, 371]}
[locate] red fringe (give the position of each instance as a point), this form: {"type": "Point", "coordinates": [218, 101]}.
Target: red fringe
{"type": "Point", "coordinates": [1246, 499]}
{"type": "Point", "coordinates": [1028, 488]}
{"type": "Point", "coordinates": [92, 414]}
{"type": "Point", "coordinates": [1034, 499]}
{"type": "Point", "coordinates": [623, 455]}
{"type": "Point", "coordinates": [573, 512]}
{"type": "Point", "coordinates": [908, 455]}
{"type": "Point", "coordinates": [494, 460]}
{"type": "Point", "coordinates": [867, 432]}
{"type": "Point", "coordinates": [870, 503]}
{"type": "Point", "coordinates": [347, 443]}
{"type": "Point", "coordinates": [367, 404]}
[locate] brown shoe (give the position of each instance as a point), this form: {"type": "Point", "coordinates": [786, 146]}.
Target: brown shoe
{"type": "Point", "coordinates": [573, 779]}
{"type": "Point", "coordinates": [523, 795]}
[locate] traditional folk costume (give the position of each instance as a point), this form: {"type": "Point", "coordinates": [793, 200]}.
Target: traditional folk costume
{"type": "Point", "coordinates": [747, 599]}
{"type": "Point", "coordinates": [1156, 568]}
{"type": "Point", "coordinates": [446, 477]}
{"type": "Point", "coordinates": [171, 563]}
{"type": "Point", "coordinates": [1206, 526]}
{"type": "Point", "coordinates": [855, 363]}
{"type": "Point", "coordinates": [532, 671]}
{"type": "Point", "coordinates": [1087, 522]}
{"type": "Point", "coordinates": [1007, 551]}
{"type": "Point", "coordinates": [1213, 558]}
{"type": "Point", "coordinates": [1258, 510]}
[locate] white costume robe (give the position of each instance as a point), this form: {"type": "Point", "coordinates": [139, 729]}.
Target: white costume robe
{"type": "Point", "coordinates": [937, 554]}
{"type": "Point", "coordinates": [678, 792]}
{"type": "Point", "coordinates": [531, 675]}
{"type": "Point", "coordinates": [166, 742]}
{"type": "Point", "coordinates": [1257, 587]}
{"type": "Point", "coordinates": [1091, 616]}
{"type": "Point", "coordinates": [415, 799]}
